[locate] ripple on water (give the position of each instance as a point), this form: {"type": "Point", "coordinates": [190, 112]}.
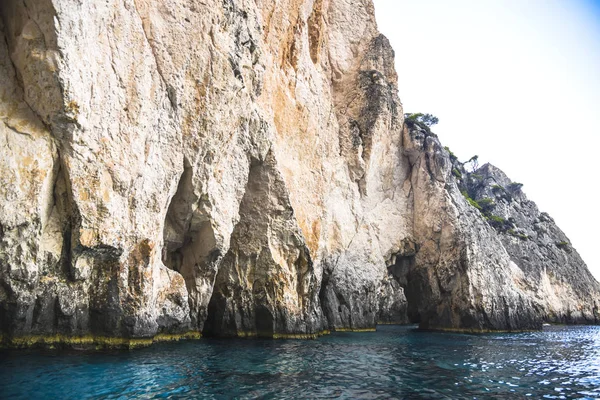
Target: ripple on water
{"type": "Point", "coordinates": [394, 362]}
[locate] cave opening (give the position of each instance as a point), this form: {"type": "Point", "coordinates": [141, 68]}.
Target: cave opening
{"type": "Point", "coordinates": [190, 246]}
{"type": "Point", "coordinates": [404, 272]}
{"type": "Point", "coordinates": [264, 321]}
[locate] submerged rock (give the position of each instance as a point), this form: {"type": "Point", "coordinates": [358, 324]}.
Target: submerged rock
{"type": "Point", "coordinates": [242, 170]}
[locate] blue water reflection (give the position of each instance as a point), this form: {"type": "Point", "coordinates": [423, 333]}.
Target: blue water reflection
{"type": "Point", "coordinates": [394, 362]}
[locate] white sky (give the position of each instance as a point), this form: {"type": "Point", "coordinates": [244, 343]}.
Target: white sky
{"type": "Point", "coordinates": [516, 82]}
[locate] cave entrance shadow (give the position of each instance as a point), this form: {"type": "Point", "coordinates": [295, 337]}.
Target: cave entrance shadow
{"type": "Point", "coordinates": [404, 272]}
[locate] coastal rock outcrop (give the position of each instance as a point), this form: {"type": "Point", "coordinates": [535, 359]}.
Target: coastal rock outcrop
{"type": "Point", "coordinates": [242, 168]}
{"type": "Point", "coordinates": [486, 255]}
{"type": "Point", "coordinates": [555, 276]}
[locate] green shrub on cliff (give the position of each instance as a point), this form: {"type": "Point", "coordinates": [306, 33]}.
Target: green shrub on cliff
{"type": "Point", "coordinates": [424, 121]}
{"type": "Point", "coordinates": [495, 218]}
{"type": "Point", "coordinates": [452, 155]}
{"type": "Point", "coordinates": [498, 223]}
{"type": "Point", "coordinates": [486, 204]}
{"type": "Point", "coordinates": [485, 207]}
{"type": "Point", "coordinates": [516, 234]}
{"type": "Point", "coordinates": [470, 200]}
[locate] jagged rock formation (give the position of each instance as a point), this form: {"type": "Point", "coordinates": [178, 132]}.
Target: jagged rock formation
{"type": "Point", "coordinates": [241, 169]}
{"type": "Point", "coordinates": [461, 276]}
{"type": "Point", "coordinates": [491, 265]}
{"type": "Point", "coordinates": [554, 274]}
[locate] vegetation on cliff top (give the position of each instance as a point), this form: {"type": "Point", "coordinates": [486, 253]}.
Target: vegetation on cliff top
{"type": "Point", "coordinates": [424, 121]}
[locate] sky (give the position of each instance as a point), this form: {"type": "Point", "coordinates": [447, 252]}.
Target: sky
{"type": "Point", "coordinates": [516, 83]}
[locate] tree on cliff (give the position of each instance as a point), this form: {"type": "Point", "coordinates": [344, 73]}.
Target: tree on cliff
{"type": "Point", "coordinates": [425, 119]}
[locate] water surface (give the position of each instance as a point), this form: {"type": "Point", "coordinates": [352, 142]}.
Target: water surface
{"type": "Point", "coordinates": [394, 362]}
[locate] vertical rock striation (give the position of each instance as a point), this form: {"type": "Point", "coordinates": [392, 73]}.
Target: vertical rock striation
{"type": "Point", "coordinates": [242, 168]}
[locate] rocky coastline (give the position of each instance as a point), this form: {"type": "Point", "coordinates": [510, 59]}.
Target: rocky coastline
{"type": "Point", "coordinates": [236, 168]}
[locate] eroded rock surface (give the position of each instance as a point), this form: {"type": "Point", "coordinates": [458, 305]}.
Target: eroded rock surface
{"type": "Point", "coordinates": [555, 275]}
{"type": "Point", "coordinates": [242, 168]}
{"type": "Point", "coordinates": [462, 276]}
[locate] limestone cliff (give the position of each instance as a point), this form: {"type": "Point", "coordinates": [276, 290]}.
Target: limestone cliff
{"type": "Point", "coordinates": [487, 259]}
{"type": "Point", "coordinates": [239, 168]}
{"type": "Point", "coordinates": [555, 275]}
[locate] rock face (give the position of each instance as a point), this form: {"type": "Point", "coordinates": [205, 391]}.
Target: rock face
{"type": "Point", "coordinates": [555, 275]}
{"type": "Point", "coordinates": [242, 168]}
{"type": "Point", "coordinates": [487, 259]}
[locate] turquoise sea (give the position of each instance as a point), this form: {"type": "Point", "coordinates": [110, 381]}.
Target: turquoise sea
{"type": "Point", "coordinates": [397, 362]}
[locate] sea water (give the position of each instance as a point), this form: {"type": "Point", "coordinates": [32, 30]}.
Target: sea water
{"type": "Point", "coordinates": [394, 362]}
